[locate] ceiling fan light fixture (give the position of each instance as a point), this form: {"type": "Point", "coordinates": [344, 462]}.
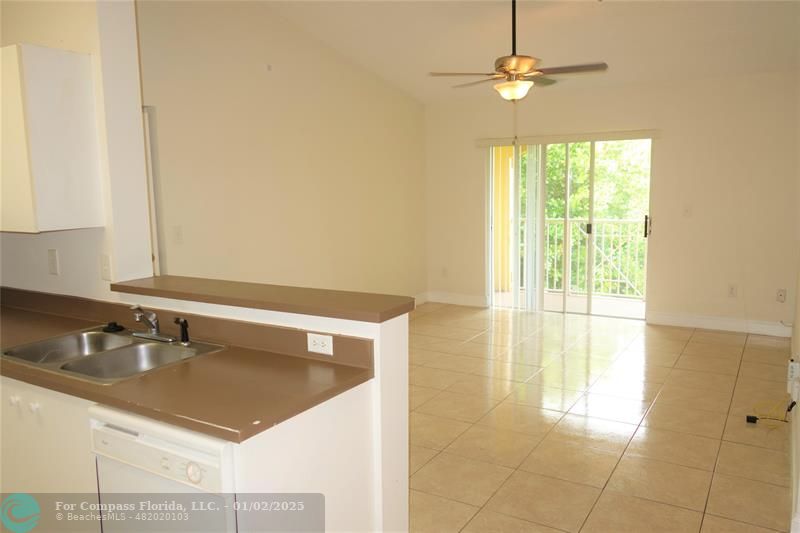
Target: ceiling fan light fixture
{"type": "Point", "coordinates": [514, 90]}
{"type": "Point", "coordinates": [514, 69]}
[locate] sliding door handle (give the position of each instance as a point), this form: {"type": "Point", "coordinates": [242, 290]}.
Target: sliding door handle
{"type": "Point", "coordinates": [646, 226]}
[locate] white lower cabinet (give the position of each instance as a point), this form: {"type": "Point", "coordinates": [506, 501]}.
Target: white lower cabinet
{"type": "Point", "coordinates": [45, 438]}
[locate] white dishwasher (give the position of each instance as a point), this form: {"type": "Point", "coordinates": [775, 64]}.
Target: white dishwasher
{"type": "Point", "coordinates": [156, 477]}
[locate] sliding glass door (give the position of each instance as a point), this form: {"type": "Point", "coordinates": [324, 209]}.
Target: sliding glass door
{"type": "Point", "coordinates": [621, 206]}
{"type": "Point", "coordinates": [574, 240]}
{"type": "Point", "coordinates": [567, 227]}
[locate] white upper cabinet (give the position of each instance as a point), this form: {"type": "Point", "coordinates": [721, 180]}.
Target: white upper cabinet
{"type": "Point", "coordinates": [50, 157]}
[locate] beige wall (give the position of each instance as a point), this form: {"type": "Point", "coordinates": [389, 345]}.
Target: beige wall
{"type": "Point", "coordinates": [66, 25]}
{"type": "Point", "coordinates": [797, 153]}
{"type": "Point", "coordinates": [724, 187]}
{"type": "Point", "coordinates": [277, 160]}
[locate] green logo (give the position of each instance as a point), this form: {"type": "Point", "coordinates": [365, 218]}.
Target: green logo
{"type": "Point", "coordinates": [20, 513]}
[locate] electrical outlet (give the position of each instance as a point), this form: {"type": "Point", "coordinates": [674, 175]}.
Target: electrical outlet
{"type": "Point", "coordinates": [105, 267]}
{"type": "Point", "coordinates": [320, 343]}
{"type": "Point", "coordinates": [53, 263]}
{"type": "Point", "coordinates": [781, 296]}
{"type": "Point", "coordinates": [733, 291]}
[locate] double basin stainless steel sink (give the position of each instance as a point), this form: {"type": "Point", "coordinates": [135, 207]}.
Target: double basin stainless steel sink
{"type": "Point", "coordinates": [102, 357]}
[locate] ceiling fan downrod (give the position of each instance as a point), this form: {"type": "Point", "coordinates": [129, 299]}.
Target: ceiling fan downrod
{"type": "Point", "coordinates": [513, 27]}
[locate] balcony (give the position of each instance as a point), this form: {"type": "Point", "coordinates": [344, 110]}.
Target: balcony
{"type": "Point", "coordinates": [619, 254]}
{"type": "Point", "coordinates": [615, 266]}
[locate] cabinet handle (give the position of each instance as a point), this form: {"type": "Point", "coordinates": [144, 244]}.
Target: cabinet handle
{"type": "Point", "coordinates": [14, 400]}
{"type": "Point", "coordinates": [34, 407]}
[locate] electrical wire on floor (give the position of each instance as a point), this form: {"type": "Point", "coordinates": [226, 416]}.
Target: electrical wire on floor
{"type": "Point", "coordinates": [753, 419]}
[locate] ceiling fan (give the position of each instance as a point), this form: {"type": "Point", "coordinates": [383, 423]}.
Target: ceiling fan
{"type": "Point", "coordinates": [518, 72]}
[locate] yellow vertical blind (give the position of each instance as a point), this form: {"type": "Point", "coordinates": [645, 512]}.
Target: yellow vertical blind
{"type": "Point", "coordinates": [502, 168]}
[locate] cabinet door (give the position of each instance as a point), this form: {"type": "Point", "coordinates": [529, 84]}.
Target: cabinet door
{"type": "Point", "coordinates": [50, 169]}
{"type": "Point", "coordinates": [14, 436]}
{"type": "Point", "coordinates": [18, 211]}
{"type": "Point", "coordinates": [46, 441]}
{"type": "Point", "coordinates": [62, 138]}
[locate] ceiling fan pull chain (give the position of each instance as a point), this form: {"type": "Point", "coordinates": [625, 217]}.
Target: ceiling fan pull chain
{"type": "Point", "coordinates": [514, 102]}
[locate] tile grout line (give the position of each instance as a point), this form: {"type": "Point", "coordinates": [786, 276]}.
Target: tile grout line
{"type": "Point", "coordinates": [724, 428]}
{"type": "Point", "coordinates": [516, 469]}
{"type": "Point", "coordinates": [517, 383]}
{"type": "Point", "coordinates": [638, 426]}
{"type": "Point", "coordinates": [583, 393]}
{"type": "Point", "coordinates": [473, 424]}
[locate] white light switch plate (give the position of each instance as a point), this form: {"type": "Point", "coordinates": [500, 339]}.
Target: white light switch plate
{"type": "Point", "coordinates": [320, 343]}
{"type": "Point", "coordinates": [53, 263]}
{"type": "Point", "coordinates": [105, 267]}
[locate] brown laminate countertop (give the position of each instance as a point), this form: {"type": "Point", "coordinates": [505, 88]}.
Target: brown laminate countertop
{"type": "Point", "coordinates": [361, 306]}
{"type": "Point", "coordinates": [232, 394]}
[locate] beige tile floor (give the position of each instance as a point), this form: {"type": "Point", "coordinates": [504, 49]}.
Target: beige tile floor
{"type": "Point", "coordinates": [534, 422]}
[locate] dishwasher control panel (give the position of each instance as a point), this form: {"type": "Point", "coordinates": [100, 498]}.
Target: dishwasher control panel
{"type": "Point", "coordinates": [185, 457]}
{"type": "Point", "coordinates": [188, 468]}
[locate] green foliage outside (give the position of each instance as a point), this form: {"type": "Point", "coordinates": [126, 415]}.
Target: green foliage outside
{"type": "Point", "coordinates": [621, 198]}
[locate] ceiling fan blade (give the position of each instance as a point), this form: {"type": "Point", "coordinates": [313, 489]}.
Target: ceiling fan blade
{"type": "Point", "coordinates": [470, 84]}
{"type": "Point", "coordinates": [462, 73]}
{"type": "Point", "coordinates": [590, 67]}
{"type": "Point", "coordinates": [541, 81]}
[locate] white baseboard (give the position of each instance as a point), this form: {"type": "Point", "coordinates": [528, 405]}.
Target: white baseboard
{"type": "Point", "coordinates": [742, 325]}
{"type": "Point", "coordinates": [452, 298]}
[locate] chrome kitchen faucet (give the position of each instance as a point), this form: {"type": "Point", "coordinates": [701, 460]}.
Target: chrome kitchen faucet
{"type": "Point", "coordinates": [150, 319]}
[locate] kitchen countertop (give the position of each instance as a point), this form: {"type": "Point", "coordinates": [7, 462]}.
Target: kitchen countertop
{"type": "Point", "coordinates": [361, 306]}
{"type": "Point", "coordinates": [232, 394]}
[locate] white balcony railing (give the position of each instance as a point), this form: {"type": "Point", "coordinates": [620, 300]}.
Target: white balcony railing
{"type": "Point", "coordinates": [619, 255]}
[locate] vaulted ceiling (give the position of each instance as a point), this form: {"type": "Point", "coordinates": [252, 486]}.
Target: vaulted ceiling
{"type": "Point", "coordinates": [643, 42]}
